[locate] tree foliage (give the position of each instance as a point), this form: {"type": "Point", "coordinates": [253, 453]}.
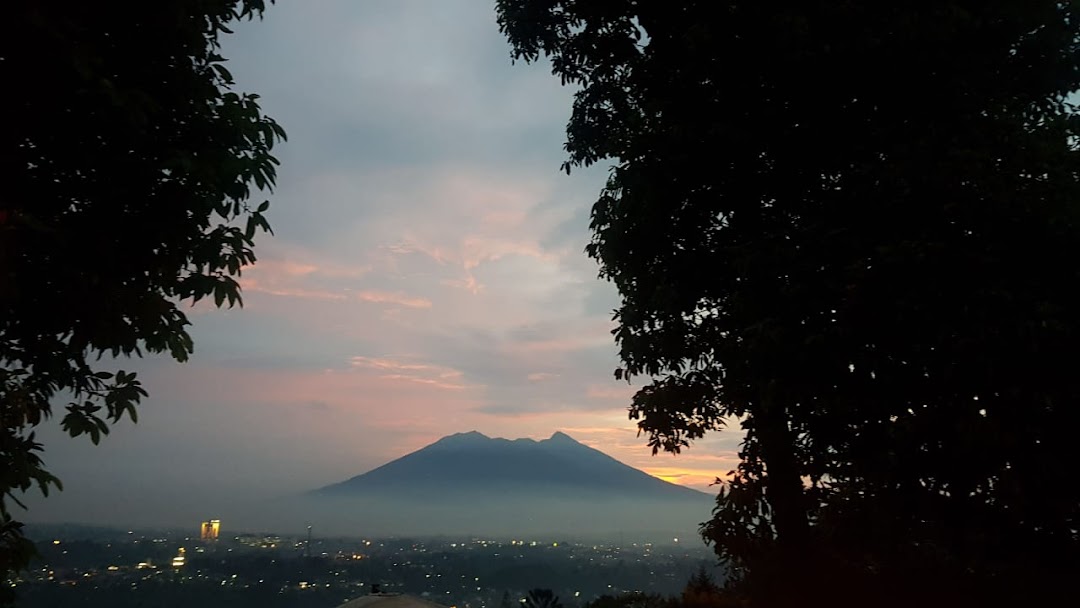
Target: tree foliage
{"type": "Point", "coordinates": [542, 598]}
{"type": "Point", "coordinates": [128, 160]}
{"type": "Point", "coordinates": [634, 600]}
{"type": "Point", "coordinates": [853, 227]}
{"type": "Point", "coordinates": [701, 591]}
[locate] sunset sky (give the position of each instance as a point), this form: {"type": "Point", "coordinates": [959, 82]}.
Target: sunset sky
{"type": "Point", "coordinates": [427, 277]}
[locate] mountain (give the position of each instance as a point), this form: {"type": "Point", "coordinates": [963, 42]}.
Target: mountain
{"type": "Point", "coordinates": [471, 483]}
{"type": "Point", "coordinates": [472, 462]}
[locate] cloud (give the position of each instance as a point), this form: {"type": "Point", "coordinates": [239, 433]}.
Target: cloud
{"type": "Point", "coordinates": [401, 368]}
{"type": "Point", "coordinates": [253, 285]}
{"type": "Point", "coordinates": [291, 271]}
{"type": "Point", "coordinates": [290, 268]}
{"type": "Point", "coordinates": [469, 284]}
{"type": "Point", "coordinates": [383, 297]}
{"type": "Point", "coordinates": [318, 405]}
{"type": "Point", "coordinates": [618, 391]}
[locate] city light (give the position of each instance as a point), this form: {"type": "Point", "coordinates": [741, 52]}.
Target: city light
{"type": "Point", "coordinates": [441, 574]}
{"type": "Point", "coordinates": [210, 529]}
{"type": "Point", "coordinates": [178, 561]}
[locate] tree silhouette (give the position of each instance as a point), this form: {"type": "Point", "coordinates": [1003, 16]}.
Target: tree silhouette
{"type": "Point", "coordinates": [701, 582]}
{"type": "Point", "coordinates": [852, 227]}
{"type": "Point", "coordinates": [542, 598]}
{"type": "Point", "coordinates": [701, 591]}
{"type": "Point", "coordinates": [633, 600]}
{"type": "Point", "coordinates": [128, 161]}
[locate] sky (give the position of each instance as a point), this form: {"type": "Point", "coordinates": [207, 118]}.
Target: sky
{"type": "Point", "coordinates": [426, 277]}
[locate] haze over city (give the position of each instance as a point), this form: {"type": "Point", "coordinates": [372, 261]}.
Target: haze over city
{"type": "Point", "coordinates": [426, 277]}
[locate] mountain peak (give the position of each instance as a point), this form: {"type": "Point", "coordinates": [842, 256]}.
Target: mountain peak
{"type": "Point", "coordinates": [561, 437]}
{"type": "Point", "coordinates": [469, 438]}
{"type": "Point", "coordinates": [471, 435]}
{"type": "Point", "coordinates": [477, 438]}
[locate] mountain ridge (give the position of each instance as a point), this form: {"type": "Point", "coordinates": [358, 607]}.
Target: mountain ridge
{"type": "Point", "coordinates": [469, 483]}
{"type": "Point", "coordinates": [472, 462]}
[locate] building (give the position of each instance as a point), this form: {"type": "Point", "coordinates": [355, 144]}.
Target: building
{"type": "Point", "coordinates": [210, 529]}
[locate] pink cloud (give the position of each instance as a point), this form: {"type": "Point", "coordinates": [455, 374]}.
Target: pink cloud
{"type": "Point", "coordinates": [296, 276]}
{"type": "Point", "coordinates": [385, 297]}
{"type": "Point", "coordinates": [296, 263]}
{"type": "Point", "coordinates": [476, 250]}
{"type": "Point", "coordinates": [291, 268]}
{"type": "Point", "coordinates": [410, 246]}
{"type": "Point", "coordinates": [469, 283]}
{"type": "Point", "coordinates": [400, 368]}
{"type": "Point", "coordinates": [249, 284]}
{"type": "Point", "coordinates": [620, 392]}
{"type": "Point", "coordinates": [541, 376]}
{"type": "Point", "coordinates": [558, 344]}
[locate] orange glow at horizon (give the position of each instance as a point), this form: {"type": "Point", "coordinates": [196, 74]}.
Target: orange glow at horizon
{"type": "Point", "coordinates": [699, 479]}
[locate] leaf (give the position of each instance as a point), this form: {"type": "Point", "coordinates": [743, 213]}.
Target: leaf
{"type": "Point", "coordinates": [125, 196]}
{"type": "Point", "coordinates": [223, 73]}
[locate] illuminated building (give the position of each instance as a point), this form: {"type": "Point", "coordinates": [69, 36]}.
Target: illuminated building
{"type": "Point", "coordinates": [210, 529]}
{"type": "Point", "coordinates": [178, 561]}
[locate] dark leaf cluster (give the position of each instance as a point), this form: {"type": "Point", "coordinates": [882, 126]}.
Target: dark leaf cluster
{"type": "Point", "coordinates": [853, 228]}
{"type": "Point", "coordinates": [128, 161]}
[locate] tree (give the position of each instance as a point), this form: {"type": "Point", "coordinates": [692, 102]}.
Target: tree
{"type": "Point", "coordinates": [542, 598]}
{"type": "Point", "coordinates": [852, 227]}
{"type": "Point", "coordinates": [701, 591]}
{"type": "Point", "coordinates": [127, 163]}
{"type": "Point", "coordinates": [634, 599]}
{"type": "Point", "coordinates": [701, 582]}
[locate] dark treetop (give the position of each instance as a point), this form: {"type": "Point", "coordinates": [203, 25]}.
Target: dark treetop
{"type": "Point", "coordinates": [853, 225]}
{"type": "Point", "coordinates": [127, 162]}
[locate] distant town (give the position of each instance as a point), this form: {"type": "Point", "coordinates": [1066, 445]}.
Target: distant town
{"type": "Point", "coordinates": [207, 566]}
